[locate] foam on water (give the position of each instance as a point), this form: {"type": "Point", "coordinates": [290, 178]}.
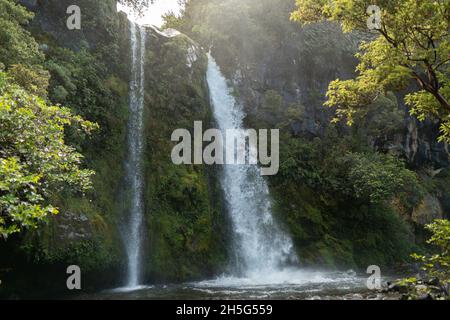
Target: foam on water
{"type": "Point", "coordinates": [286, 278]}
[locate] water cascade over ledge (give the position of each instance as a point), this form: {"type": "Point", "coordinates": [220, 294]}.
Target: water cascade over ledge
{"type": "Point", "coordinates": [133, 233]}
{"type": "Point", "coordinates": [260, 246]}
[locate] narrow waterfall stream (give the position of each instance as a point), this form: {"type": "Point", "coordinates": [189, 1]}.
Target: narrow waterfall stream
{"type": "Point", "coordinates": [260, 245]}
{"type": "Point", "coordinates": [133, 235]}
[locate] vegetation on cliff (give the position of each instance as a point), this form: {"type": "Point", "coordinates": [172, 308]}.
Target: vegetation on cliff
{"type": "Point", "coordinates": [412, 43]}
{"type": "Point", "coordinates": [433, 280]}
{"type": "Point", "coordinates": [88, 71]}
{"type": "Point", "coordinates": [365, 187]}
{"type": "Point", "coordinates": [35, 161]}
{"type": "Point", "coordinates": [349, 196]}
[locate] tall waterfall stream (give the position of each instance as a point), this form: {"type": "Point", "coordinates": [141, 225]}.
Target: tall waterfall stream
{"type": "Point", "coordinates": [260, 245]}
{"type": "Point", "coordinates": [133, 234]}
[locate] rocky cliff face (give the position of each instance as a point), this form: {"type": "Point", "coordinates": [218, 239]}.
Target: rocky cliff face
{"type": "Point", "coordinates": [292, 80]}
{"type": "Point", "coordinates": [298, 67]}
{"type": "Point", "coordinates": [285, 81]}
{"type": "Point", "coordinates": [420, 144]}
{"type": "Point", "coordinates": [186, 225]}
{"type": "Point", "coordinates": [99, 21]}
{"type": "Point", "coordinates": [280, 72]}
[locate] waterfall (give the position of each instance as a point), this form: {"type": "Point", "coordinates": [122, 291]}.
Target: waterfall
{"type": "Point", "coordinates": [260, 245]}
{"type": "Point", "coordinates": [133, 233]}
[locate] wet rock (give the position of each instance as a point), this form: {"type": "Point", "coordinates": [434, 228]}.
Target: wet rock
{"type": "Point", "coordinates": [425, 297]}
{"type": "Point", "coordinates": [429, 210]}
{"type": "Point", "coordinates": [73, 227]}
{"type": "Point", "coordinates": [421, 289]}
{"type": "Point", "coordinates": [395, 287]}
{"type": "Point", "coordinates": [358, 297]}
{"type": "Point", "coordinates": [446, 288]}
{"type": "Point", "coordinates": [433, 282]}
{"type": "Point", "coordinates": [350, 273]}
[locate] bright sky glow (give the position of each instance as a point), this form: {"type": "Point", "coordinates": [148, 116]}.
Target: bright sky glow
{"type": "Point", "coordinates": [153, 16]}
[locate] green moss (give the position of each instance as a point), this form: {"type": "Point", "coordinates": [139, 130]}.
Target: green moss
{"type": "Point", "coordinates": [183, 204]}
{"type": "Point", "coordinates": [182, 231]}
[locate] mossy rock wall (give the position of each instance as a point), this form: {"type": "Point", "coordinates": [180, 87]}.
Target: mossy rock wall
{"type": "Point", "coordinates": [184, 221]}
{"type": "Point", "coordinates": [186, 228]}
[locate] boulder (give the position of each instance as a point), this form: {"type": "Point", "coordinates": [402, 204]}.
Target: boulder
{"type": "Point", "coordinates": [395, 287]}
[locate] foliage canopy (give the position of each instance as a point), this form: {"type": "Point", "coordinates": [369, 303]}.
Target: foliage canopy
{"type": "Point", "coordinates": [411, 43]}
{"type": "Point", "coordinates": [35, 162]}
{"type": "Point", "coordinates": [438, 265]}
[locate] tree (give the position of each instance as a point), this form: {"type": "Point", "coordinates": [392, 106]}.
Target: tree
{"type": "Point", "coordinates": [35, 162]}
{"type": "Point", "coordinates": [137, 5]}
{"type": "Point", "coordinates": [16, 44]}
{"type": "Point", "coordinates": [35, 80]}
{"type": "Point", "coordinates": [435, 281]}
{"type": "Point", "coordinates": [437, 265]}
{"type": "Point", "coordinates": [375, 177]}
{"type": "Point", "coordinates": [411, 43]}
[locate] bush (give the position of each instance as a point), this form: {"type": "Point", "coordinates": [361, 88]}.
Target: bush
{"type": "Point", "coordinates": [377, 177]}
{"type": "Point", "coordinates": [16, 44]}
{"type": "Point", "coordinates": [438, 265]}
{"type": "Point", "coordinates": [34, 80]}
{"type": "Point", "coordinates": [435, 283]}
{"type": "Point", "coordinates": [35, 162]}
